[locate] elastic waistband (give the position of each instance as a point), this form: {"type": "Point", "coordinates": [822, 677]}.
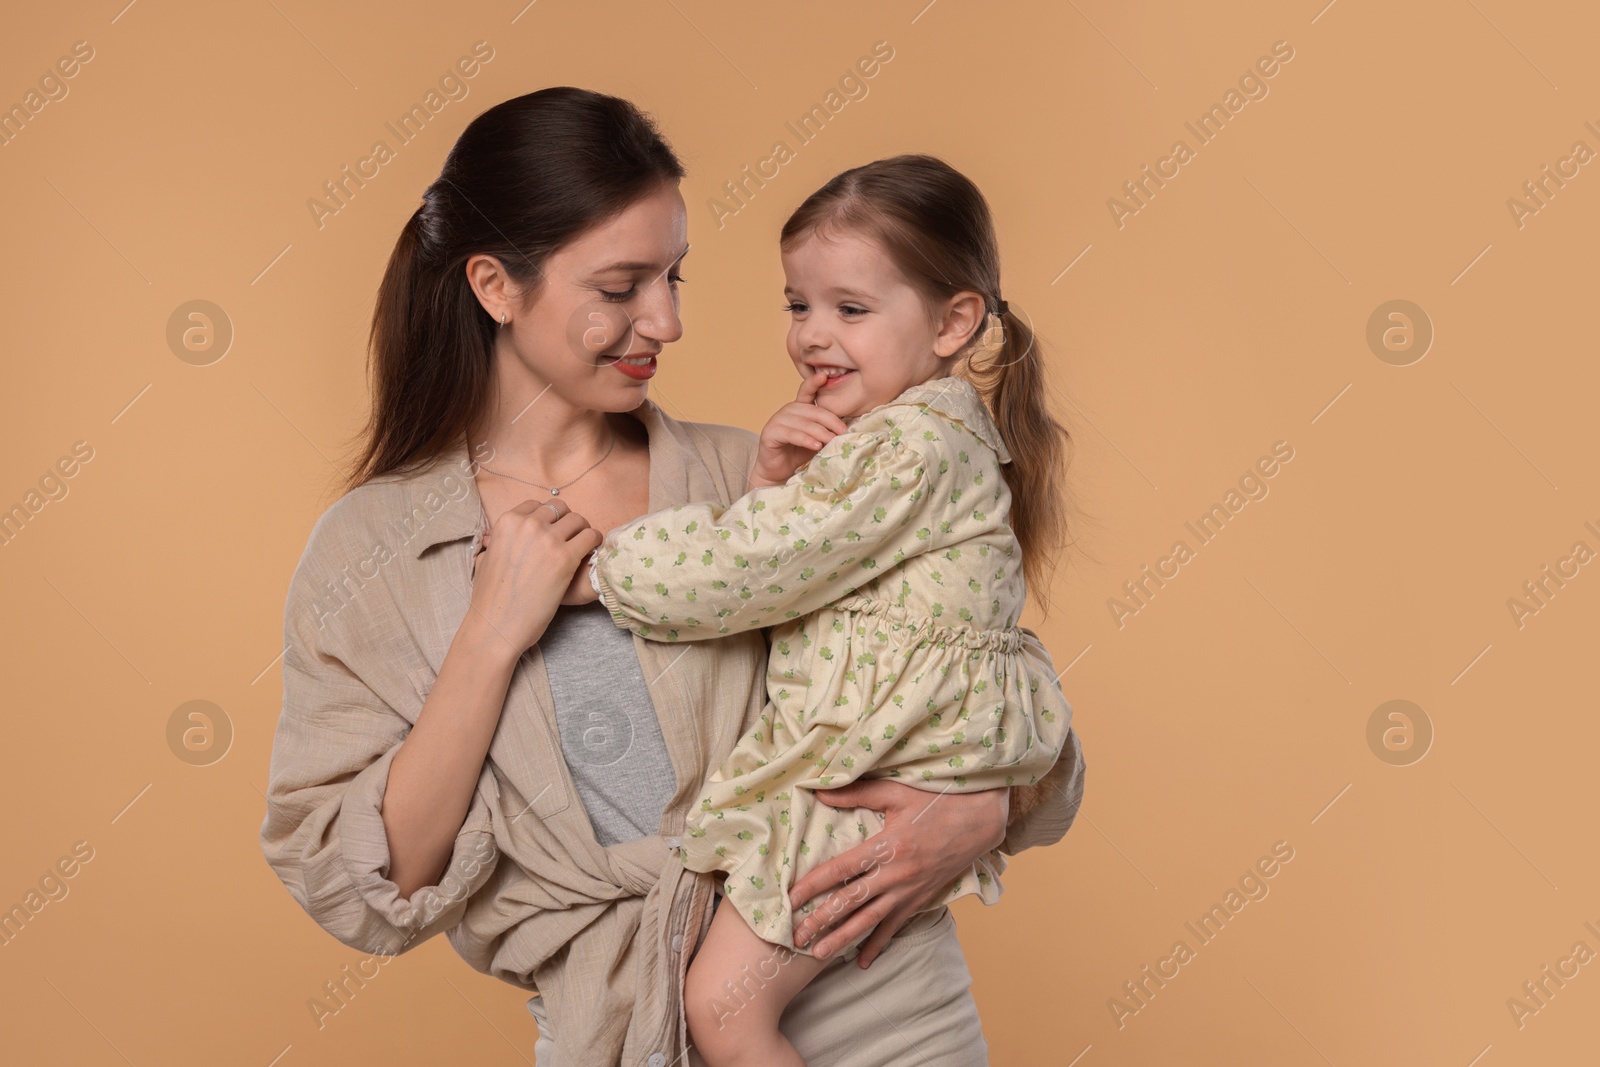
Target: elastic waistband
{"type": "Point", "coordinates": [1006, 639]}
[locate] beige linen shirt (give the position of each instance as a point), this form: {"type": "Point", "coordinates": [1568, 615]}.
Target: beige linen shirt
{"type": "Point", "coordinates": [530, 896]}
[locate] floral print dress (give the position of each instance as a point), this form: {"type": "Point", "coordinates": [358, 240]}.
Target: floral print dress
{"type": "Point", "coordinates": [893, 586]}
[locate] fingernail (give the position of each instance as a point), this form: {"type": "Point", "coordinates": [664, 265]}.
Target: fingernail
{"type": "Point", "coordinates": [822, 953]}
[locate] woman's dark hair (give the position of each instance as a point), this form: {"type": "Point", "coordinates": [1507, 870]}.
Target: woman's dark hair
{"type": "Point", "coordinates": [524, 178]}
{"type": "Point", "coordinates": [935, 225]}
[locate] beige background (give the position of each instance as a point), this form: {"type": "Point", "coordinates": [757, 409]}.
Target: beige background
{"type": "Point", "coordinates": [1229, 313]}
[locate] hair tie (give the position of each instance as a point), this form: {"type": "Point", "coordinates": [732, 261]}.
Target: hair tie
{"type": "Point", "coordinates": [990, 339]}
{"type": "Point", "coordinates": [1002, 309]}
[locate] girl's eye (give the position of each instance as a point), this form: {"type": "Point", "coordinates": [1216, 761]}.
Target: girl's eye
{"type": "Point", "coordinates": [848, 309]}
{"type": "Point", "coordinates": [795, 307]}
{"type": "Point", "coordinates": [676, 279]}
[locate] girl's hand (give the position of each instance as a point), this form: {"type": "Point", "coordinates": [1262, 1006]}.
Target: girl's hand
{"type": "Point", "coordinates": [533, 559]}
{"type": "Point", "coordinates": [794, 434]}
{"type": "Point", "coordinates": [926, 841]}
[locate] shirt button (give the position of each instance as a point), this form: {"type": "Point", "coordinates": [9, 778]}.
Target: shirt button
{"type": "Point", "coordinates": [674, 842]}
{"type": "Point", "coordinates": [677, 942]}
{"type": "Point", "coordinates": [656, 1060]}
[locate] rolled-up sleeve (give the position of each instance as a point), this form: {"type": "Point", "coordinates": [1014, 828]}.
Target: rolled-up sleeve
{"type": "Point", "coordinates": [323, 834]}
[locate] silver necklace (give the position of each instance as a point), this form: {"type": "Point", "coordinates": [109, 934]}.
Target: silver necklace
{"type": "Point", "coordinates": [555, 490]}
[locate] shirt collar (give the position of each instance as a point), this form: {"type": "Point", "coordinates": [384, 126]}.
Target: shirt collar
{"type": "Point", "coordinates": [957, 399]}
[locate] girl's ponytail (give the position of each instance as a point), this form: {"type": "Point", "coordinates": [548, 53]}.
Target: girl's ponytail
{"type": "Point", "coordinates": [1013, 387]}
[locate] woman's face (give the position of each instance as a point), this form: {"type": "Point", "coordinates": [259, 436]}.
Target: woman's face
{"type": "Point", "coordinates": [607, 305]}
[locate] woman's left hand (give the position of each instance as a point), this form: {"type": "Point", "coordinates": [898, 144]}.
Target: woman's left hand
{"type": "Point", "coordinates": [926, 841]}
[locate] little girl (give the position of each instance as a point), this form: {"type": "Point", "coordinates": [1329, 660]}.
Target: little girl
{"type": "Point", "coordinates": [886, 542]}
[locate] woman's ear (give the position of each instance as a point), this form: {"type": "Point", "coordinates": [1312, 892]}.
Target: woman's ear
{"type": "Point", "coordinates": [491, 284]}
{"type": "Point", "coordinates": [963, 317]}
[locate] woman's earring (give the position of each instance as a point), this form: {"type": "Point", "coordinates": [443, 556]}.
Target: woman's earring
{"type": "Point", "coordinates": [502, 320]}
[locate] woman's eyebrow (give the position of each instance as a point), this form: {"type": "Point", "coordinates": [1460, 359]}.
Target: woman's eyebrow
{"type": "Point", "coordinates": [630, 265]}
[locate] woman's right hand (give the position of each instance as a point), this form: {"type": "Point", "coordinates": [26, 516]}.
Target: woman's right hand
{"type": "Point", "coordinates": [529, 560]}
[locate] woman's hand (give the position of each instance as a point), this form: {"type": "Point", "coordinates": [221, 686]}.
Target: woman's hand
{"type": "Point", "coordinates": [926, 841]}
{"type": "Point", "coordinates": [794, 434]}
{"type": "Point", "coordinates": [533, 560]}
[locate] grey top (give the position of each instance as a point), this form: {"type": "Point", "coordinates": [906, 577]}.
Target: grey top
{"type": "Point", "coordinates": [610, 736]}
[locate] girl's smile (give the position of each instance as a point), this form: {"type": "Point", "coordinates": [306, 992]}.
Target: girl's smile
{"type": "Point", "coordinates": [855, 316]}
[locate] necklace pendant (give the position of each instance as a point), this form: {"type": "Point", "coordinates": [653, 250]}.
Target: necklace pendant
{"type": "Point", "coordinates": [555, 492]}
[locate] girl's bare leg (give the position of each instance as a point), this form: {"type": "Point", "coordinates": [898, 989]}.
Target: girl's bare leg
{"type": "Point", "coordinates": [738, 986]}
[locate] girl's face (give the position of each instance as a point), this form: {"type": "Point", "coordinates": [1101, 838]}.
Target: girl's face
{"type": "Point", "coordinates": [856, 316]}
{"type": "Point", "coordinates": [606, 305]}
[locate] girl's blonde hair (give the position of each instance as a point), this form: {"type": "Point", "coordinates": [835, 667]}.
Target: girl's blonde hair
{"type": "Point", "coordinates": [936, 227]}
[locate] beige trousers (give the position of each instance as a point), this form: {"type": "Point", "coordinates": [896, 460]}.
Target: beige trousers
{"type": "Point", "coordinates": [912, 1008]}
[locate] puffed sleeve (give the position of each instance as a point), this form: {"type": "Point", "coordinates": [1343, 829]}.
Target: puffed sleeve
{"type": "Point", "coordinates": [323, 834]}
{"type": "Point", "coordinates": [1042, 813]}
{"type": "Point", "coordinates": [860, 507]}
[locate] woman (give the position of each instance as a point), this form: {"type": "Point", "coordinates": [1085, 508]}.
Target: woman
{"type": "Point", "coordinates": [467, 743]}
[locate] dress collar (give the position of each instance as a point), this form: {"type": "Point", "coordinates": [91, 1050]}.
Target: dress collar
{"type": "Point", "coordinates": [957, 399]}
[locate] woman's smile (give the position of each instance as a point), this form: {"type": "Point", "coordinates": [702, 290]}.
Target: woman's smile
{"type": "Point", "coordinates": [641, 368]}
